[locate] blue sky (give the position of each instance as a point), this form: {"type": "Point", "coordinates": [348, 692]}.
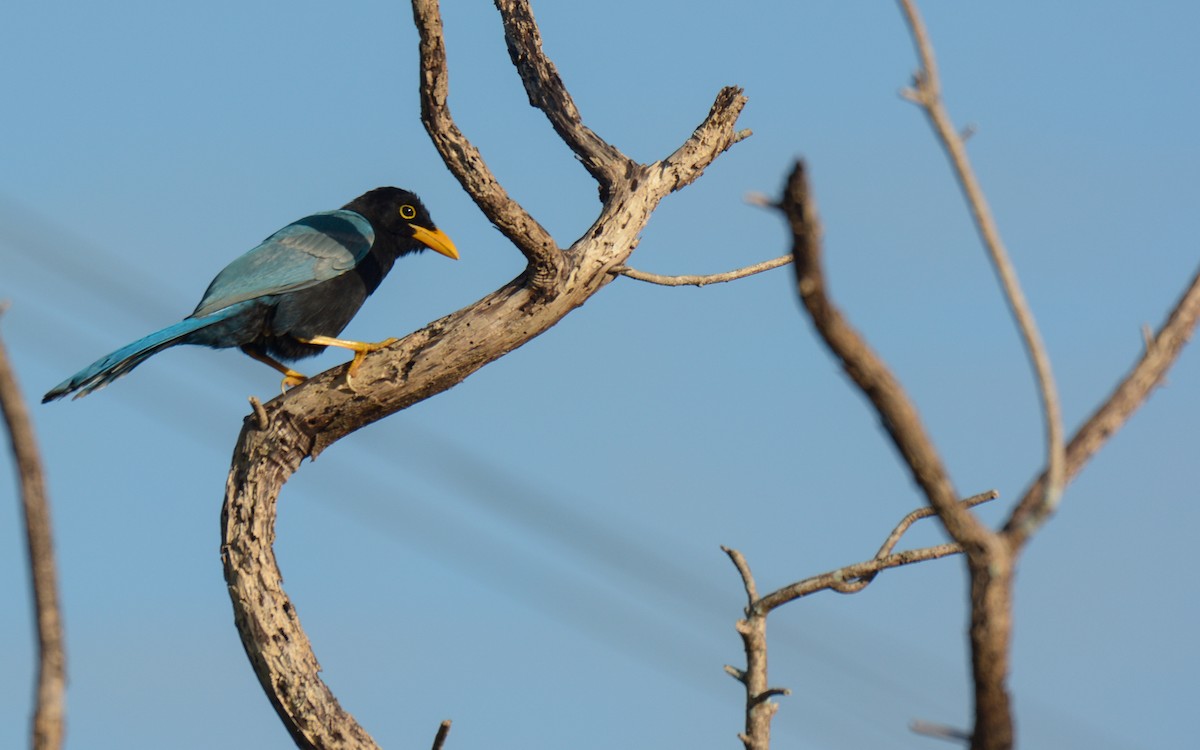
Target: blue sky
{"type": "Point", "coordinates": [535, 553]}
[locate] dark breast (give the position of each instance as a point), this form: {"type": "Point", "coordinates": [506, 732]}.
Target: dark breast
{"type": "Point", "coordinates": [321, 310]}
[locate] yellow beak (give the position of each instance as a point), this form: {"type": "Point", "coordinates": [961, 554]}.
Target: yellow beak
{"type": "Point", "coordinates": [436, 240]}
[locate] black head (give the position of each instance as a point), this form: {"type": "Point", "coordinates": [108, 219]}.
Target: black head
{"type": "Point", "coordinates": [402, 217]}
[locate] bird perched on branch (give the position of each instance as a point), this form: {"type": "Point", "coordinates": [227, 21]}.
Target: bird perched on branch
{"type": "Point", "coordinates": [290, 296]}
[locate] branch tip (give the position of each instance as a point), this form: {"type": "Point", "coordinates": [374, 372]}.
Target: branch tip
{"type": "Point", "coordinates": [939, 731]}
{"type": "Point", "coordinates": [261, 420]}
{"type": "Point", "coordinates": [440, 738]}
{"type": "Point", "coordinates": [743, 569]}
{"type": "Point", "coordinates": [698, 280]}
{"type": "Point", "coordinates": [762, 200]}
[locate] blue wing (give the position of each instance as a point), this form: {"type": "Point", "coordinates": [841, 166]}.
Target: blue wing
{"type": "Point", "coordinates": [314, 249]}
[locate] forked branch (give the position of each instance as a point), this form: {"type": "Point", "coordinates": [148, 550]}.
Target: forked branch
{"type": "Point", "coordinates": [760, 710]}
{"type": "Point", "coordinates": [282, 433]}
{"type": "Point", "coordinates": [851, 579]}
{"type": "Point", "coordinates": [926, 93]}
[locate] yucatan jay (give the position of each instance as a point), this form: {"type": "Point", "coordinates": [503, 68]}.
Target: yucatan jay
{"type": "Point", "coordinates": [290, 296]}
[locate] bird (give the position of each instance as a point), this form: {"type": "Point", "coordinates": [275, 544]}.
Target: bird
{"type": "Point", "coordinates": [290, 297]}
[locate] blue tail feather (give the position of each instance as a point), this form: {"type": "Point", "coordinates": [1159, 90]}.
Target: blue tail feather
{"type": "Point", "coordinates": [107, 369]}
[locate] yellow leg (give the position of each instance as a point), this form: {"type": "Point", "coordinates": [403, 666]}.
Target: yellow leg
{"type": "Point", "coordinates": [290, 376]}
{"type": "Point", "coordinates": [360, 348]}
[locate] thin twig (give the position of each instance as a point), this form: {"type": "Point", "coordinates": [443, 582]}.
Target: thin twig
{"type": "Point", "coordinates": [49, 712]}
{"type": "Point", "coordinates": [743, 569]}
{"type": "Point", "coordinates": [851, 579]}
{"type": "Point", "coordinates": [835, 579]}
{"type": "Point", "coordinates": [926, 93]}
{"type": "Point", "coordinates": [939, 731]}
{"type": "Point", "coordinates": [694, 280]}
{"type": "Point", "coordinates": [888, 544]}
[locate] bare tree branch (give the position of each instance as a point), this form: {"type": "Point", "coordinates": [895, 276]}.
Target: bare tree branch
{"type": "Point", "coordinates": [464, 160]}
{"type": "Point", "coordinates": [1161, 352]}
{"type": "Point", "coordinates": [714, 135]}
{"type": "Point", "coordinates": [276, 644]}
{"type": "Point", "coordinates": [325, 408]}
{"type": "Point", "coordinates": [49, 712]}
{"type": "Point", "coordinates": [546, 92]}
{"type": "Point", "coordinates": [991, 572]}
{"type": "Point", "coordinates": [851, 579]}
{"type": "Point", "coordinates": [760, 709]}
{"type": "Point", "coordinates": [989, 557]}
{"type": "Point", "coordinates": [926, 93]}
{"type": "Point", "coordinates": [905, 523]}
{"type": "Point", "coordinates": [693, 280]}
{"type": "Point", "coordinates": [867, 370]}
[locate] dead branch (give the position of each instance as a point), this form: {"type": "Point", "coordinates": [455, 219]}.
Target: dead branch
{"type": "Point", "coordinates": [851, 579]}
{"type": "Point", "coordinates": [760, 709]}
{"type": "Point", "coordinates": [940, 731]}
{"type": "Point", "coordinates": [926, 93]}
{"type": "Point", "coordinates": [547, 92]}
{"type": "Point", "coordinates": [867, 370]}
{"type": "Point", "coordinates": [321, 411]}
{"type": "Point", "coordinates": [992, 578]}
{"type": "Point", "coordinates": [905, 523]}
{"type": "Point", "coordinates": [989, 558]}
{"type": "Point", "coordinates": [49, 711]}
{"type": "Point", "coordinates": [464, 160]}
{"type": "Point", "coordinates": [693, 280]}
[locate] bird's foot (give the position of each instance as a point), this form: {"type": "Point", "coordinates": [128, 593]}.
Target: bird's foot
{"type": "Point", "coordinates": [291, 379]}
{"type": "Point", "coordinates": [362, 350]}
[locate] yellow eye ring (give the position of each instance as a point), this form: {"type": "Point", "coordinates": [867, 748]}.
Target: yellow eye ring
{"type": "Point", "coordinates": [407, 212]}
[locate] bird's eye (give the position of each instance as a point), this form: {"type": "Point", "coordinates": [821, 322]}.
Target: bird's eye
{"type": "Point", "coordinates": [407, 212]}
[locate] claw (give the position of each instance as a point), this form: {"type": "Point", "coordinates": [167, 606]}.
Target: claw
{"type": "Point", "coordinates": [360, 348]}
